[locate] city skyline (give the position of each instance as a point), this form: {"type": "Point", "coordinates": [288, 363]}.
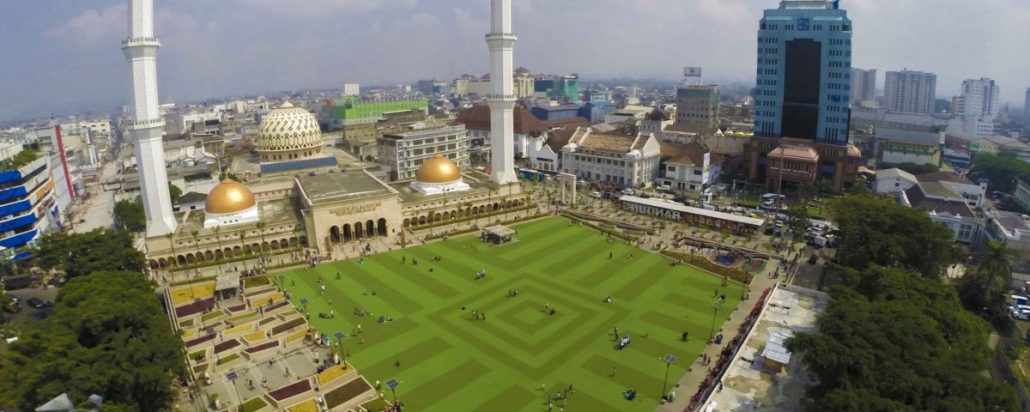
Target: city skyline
{"type": "Point", "coordinates": [244, 47]}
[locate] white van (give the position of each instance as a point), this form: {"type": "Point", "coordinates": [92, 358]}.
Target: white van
{"type": "Point", "coordinates": [595, 195]}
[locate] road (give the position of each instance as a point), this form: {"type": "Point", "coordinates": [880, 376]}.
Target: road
{"type": "Point", "coordinates": [101, 205]}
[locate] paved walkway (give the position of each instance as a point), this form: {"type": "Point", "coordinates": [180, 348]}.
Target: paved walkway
{"type": "Point", "coordinates": [689, 382]}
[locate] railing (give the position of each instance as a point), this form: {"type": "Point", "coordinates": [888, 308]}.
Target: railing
{"type": "Point", "coordinates": [145, 39]}
{"type": "Point", "coordinates": [501, 34]}
{"type": "Point", "coordinates": [501, 97]}
{"type": "Point", "coordinates": [143, 123]}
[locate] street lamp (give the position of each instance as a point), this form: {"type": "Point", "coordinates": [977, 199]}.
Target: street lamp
{"type": "Point", "coordinates": [392, 383]}
{"type": "Point", "coordinates": [716, 305]}
{"type": "Point", "coordinates": [339, 346]}
{"type": "Point", "coordinates": [669, 360]}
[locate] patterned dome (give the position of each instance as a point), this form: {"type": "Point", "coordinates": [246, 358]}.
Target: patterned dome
{"type": "Point", "coordinates": [288, 128]}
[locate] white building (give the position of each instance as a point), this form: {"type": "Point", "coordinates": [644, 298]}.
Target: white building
{"type": "Point", "coordinates": [1026, 110]}
{"type": "Point", "coordinates": [863, 88]}
{"type": "Point", "coordinates": [946, 207]}
{"type": "Point", "coordinates": [895, 181]}
{"type": "Point", "coordinates": [612, 157]}
{"type": "Point", "coordinates": [910, 91]}
{"type": "Point", "coordinates": [978, 106]}
{"type": "Point", "coordinates": [404, 152]}
{"type": "Point", "coordinates": [351, 89]}
{"type": "Point", "coordinates": [691, 168]}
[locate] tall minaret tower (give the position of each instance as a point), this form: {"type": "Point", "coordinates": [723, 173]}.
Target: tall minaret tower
{"type": "Point", "coordinates": [501, 99]}
{"type": "Point", "coordinates": [147, 124]}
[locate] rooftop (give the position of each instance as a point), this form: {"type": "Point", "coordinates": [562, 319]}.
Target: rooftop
{"type": "Point", "coordinates": [747, 385]}
{"type": "Point", "coordinates": [944, 177]}
{"type": "Point", "coordinates": [937, 198]}
{"type": "Point", "coordinates": [333, 187]}
{"type": "Point", "coordinates": [272, 212]}
{"type": "Point", "coordinates": [477, 181]}
{"type": "Point", "coordinates": [478, 118]}
{"type": "Point", "coordinates": [613, 142]}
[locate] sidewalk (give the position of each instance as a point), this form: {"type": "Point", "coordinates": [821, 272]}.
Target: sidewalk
{"type": "Point", "coordinates": [689, 382]}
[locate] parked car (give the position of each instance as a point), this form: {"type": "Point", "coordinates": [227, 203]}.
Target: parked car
{"type": "Point", "coordinates": [664, 188]}
{"type": "Point", "coordinates": [37, 303]}
{"type": "Point", "coordinates": [595, 195]}
{"type": "Point", "coordinates": [813, 259]}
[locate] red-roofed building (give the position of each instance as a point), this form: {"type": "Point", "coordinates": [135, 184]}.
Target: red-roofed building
{"type": "Point", "coordinates": [477, 122]}
{"type": "Point", "coordinates": [688, 168]}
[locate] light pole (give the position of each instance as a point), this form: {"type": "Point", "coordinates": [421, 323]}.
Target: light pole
{"type": "Point", "coordinates": [392, 383]}
{"type": "Point", "coordinates": [339, 346]}
{"type": "Point", "coordinates": [716, 305]}
{"type": "Point", "coordinates": [669, 360]}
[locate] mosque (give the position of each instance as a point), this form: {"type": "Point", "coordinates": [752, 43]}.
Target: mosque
{"type": "Point", "coordinates": [303, 200]}
{"type": "Point", "coordinates": [308, 203]}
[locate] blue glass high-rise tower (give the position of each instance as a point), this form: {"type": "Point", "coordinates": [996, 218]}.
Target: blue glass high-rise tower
{"type": "Point", "coordinates": [804, 72]}
{"type": "Point", "coordinates": [802, 97]}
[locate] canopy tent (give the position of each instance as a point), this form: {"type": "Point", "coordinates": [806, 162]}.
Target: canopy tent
{"type": "Point", "coordinates": [498, 234]}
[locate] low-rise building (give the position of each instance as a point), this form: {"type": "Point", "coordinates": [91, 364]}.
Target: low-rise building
{"type": "Point", "coordinates": [946, 207]}
{"type": "Point", "coordinates": [689, 168]}
{"type": "Point", "coordinates": [556, 112]}
{"type": "Point", "coordinates": [477, 122]}
{"type": "Point", "coordinates": [1022, 192]}
{"type": "Point", "coordinates": [615, 158]}
{"type": "Point", "coordinates": [901, 143]}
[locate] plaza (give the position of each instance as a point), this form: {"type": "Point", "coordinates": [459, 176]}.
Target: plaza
{"type": "Point", "coordinates": [543, 320]}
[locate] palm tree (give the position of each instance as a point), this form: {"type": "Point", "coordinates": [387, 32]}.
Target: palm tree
{"type": "Point", "coordinates": [196, 243]}
{"type": "Point", "coordinates": [983, 290]}
{"type": "Point", "coordinates": [218, 244]}
{"type": "Point", "coordinates": [171, 244]}
{"type": "Point", "coordinates": [243, 247]}
{"type": "Point", "coordinates": [261, 229]}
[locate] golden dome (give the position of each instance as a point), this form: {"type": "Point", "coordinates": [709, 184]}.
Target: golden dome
{"type": "Point", "coordinates": [229, 196]}
{"type": "Point", "coordinates": [438, 169]}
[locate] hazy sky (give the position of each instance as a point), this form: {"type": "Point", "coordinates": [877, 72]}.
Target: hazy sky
{"type": "Point", "coordinates": [64, 54]}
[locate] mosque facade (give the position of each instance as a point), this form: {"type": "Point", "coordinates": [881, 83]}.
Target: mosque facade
{"type": "Point", "coordinates": [304, 202]}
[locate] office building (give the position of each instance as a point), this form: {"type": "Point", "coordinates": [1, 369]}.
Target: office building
{"type": "Point", "coordinates": [910, 91]}
{"type": "Point", "coordinates": [977, 107]}
{"type": "Point", "coordinates": [351, 89]}
{"type": "Point", "coordinates": [29, 200]}
{"type": "Point", "coordinates": [697, 108]}
{"type": "Point", "coordinates": [563, 88]}
{"type": "Point", "coordinates": [1026, 110]}
{"type": "Point", "coordinates": [980, 98]}
{"type": "Point", "coordinates": [403, 152]}
{"type": "Point", "coordinates": [802, 95]}
{"type": "Point", "coordinates": [863, 88]}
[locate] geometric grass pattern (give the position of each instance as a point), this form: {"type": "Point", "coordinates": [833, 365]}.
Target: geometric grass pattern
{"type": "Point", "coordinates": [449, 362]}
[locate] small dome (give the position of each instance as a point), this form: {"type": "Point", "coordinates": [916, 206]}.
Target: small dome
{"type": "Point", "coordinates": [438, 169]}
{"type": "Point", "coordinates": [288, 128]}
{"type": "Point", "coordinates": [229, 196]}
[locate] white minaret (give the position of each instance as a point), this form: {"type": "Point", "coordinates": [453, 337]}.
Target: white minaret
{"type": "Point", "coordinates": [501, 99]}
{"type": "Point", "coordinates": [147, 124]}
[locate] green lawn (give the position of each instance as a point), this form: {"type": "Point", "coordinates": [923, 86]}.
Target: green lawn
{"type": "Point", "coordinates": [449, 362]}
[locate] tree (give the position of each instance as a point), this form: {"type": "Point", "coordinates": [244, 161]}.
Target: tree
{"type": "Point", "coordinates": [79, 254]}
{"type": "Point", "coordinates": [892, 340]}
{"type": "Point", "coordinates": [879, 231]}
{"type": "Point", "coordinates": [1000, 170]}
{"type": "Point", "coordinates": [108, 335]}
{"type": "Point", "coordinates": [129, 215]}
{"type": "Point", "coordinates": [913, 168]}
{"type": "Point", "coordinates": [797, 220]}
{"type": "Point", "coordinates": [983, 289]}
{"type": "Point", "coordinates": [174, 192]}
